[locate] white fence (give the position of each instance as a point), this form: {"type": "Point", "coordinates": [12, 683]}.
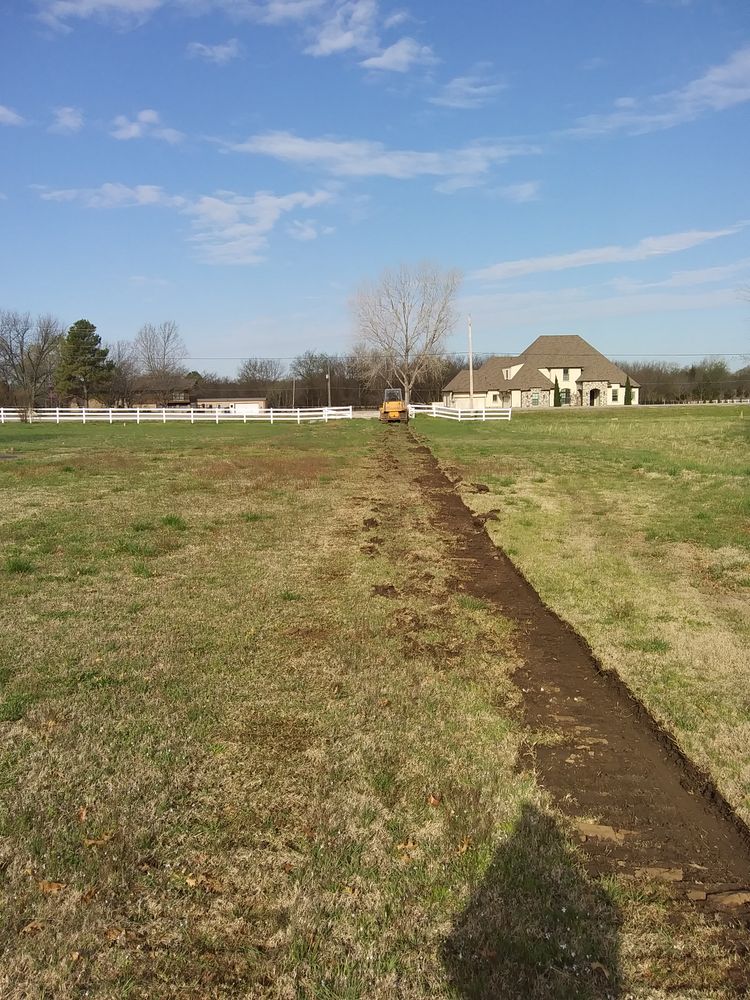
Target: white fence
{"type": "Point", "coordinates": [451, 413]}
{"type": "Point", "coordinates": [64, 415]}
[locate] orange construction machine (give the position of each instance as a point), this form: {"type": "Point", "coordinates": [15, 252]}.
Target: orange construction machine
{"type": "Point", "coordinates": [393, 409]}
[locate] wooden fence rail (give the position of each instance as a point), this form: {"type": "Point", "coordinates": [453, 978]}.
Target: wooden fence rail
{"type": "Point", "coordinates": [453, 413]}
{"type": "Point", "coordinates": [143, 415]}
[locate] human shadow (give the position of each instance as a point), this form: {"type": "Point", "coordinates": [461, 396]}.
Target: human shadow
{"type": "Point", "coordinates": [538, 927]}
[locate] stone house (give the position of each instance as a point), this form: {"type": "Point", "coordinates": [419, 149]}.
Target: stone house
{"type": "Point", "coordinates": [584, 375]}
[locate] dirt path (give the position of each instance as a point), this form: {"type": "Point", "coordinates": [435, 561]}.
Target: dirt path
{"type": "Point", "coordinates": [639, 805]}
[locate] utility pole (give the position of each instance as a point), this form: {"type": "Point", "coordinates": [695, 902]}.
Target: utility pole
{"type": "Point", "coordinates": [328, 380]}
{"type": "Point", "coordinates": [294, 387]}
{"type": "Point", "coordinates": [471, 369]}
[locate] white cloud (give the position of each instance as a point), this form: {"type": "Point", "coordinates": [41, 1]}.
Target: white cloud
{"type": "Point", "coordinates": [722, 87]}
{"type": "Point", "coordinates": [465, 166]}
{"type": "Point", "coordinates": [520, 193]}
{"type": "Point", "coordinates": [228, 228]}
{"type": "Point", "coordinates": [689, 278]}
{"type": "Point", "coordinates": [9, 117]}
{"type": "Point", "coordinates": [67, 121]}
{"type": "Point", "coordinates": [651, 246]}
{"type": "Point", "coordinates": [60, 14]}
{"type": "Point", "coordinates": [123, 13]}
{"type": "Point", "coordinates": [473, 91]}
{"type": "Point", "coordinates": [396, 19]}
{"type": "Point", "coordinates": [565, 309]}
{"type": "Point", "coordinates": [220, 54]}
{"type": "Point", "coordinates": [146, 124]}
{"type": "Point", "coordinates": [112, 196]}
{"type": "Point", "coordinates": [351, 25]}
{"type": "Point", "coordinates": [401, 56]}
{"type": "Point", "coordinates": [303, 230]}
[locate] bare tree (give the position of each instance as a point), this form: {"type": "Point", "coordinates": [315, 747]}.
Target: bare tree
{"type": "Point", "coordinates": [160, 350]}
{"type": "Point", "coordinates": [29, 352]}
{"type": "Point", "coordinates": [255, 370]}
{"type": "Point", "coordinates": [403, 321]}
{"type": "Point", "coordinates": [124, 374]}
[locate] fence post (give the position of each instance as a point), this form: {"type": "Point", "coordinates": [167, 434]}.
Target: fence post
{"type": "Point", "coordinates": [217, 414]}
{"type": "Point", "coordinates": [459, 415]}
{"type": "Point", "coordinates": [484, 412]}
{"type": "Point", "coordinates": [164, 414]}
{"type": "Point", "coordinates": [271, 412]}
{"type": "Point", "coordinates": [299, 418]}
{"type": "Point", "coordinates": [57, 415]}
{"type": "Point", "coordinates": [110, 415]}
{"type": "Point", "coordinates": [244, 418]}
{"type": "Point", "coordinates": [137, 415]}
{"type": "Point", "coordinates": [2, 415]}
{"type": "Point", "coordinates": [192, 416]}
{"type": "Point", "coordinates": [83, 414]}
{"type": "Point", "coordinates": [434, 408]}
{"type": "Point", "coordinates": [325, 414]}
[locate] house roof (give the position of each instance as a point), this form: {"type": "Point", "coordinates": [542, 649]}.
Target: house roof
{"type": "Point", "coordinates": [571, 351]}
{"type": "Point", "coordinates": [560, 351]}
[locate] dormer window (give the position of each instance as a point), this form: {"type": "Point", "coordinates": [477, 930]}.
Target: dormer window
{"type": "Point", "coordinates": [566, 373]}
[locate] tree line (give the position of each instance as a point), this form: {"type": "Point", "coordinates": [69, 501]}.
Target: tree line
{"type": "Point", "coordinates": [402, 322]}
{"type": "Point", "coordinates": [709, 379]}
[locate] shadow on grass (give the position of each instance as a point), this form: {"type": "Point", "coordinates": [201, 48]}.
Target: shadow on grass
{"type": "Point", "coordinates": [537, 927]}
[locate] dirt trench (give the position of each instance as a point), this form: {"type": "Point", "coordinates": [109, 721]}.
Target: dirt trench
{"type": "Point", "coordinates": [640, 807]}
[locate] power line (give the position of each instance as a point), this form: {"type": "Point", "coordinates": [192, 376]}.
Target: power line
{"type": "Point", "coordinates": [462, 354]}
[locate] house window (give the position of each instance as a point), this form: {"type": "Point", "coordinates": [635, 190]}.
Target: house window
{"type": "Point", "coordinates": [535, 399]}
{"type": "Point", "coordinates": [495, 397]}
{"type": "Point", "coordinates": [615, 395]}
{"type": "Point", "coordinates": [566, 373]}
{"type": "Point", "coordinates": [565, 397]}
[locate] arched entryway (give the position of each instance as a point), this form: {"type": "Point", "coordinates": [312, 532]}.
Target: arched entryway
{"type": "Point", "coordinates": [594, 397]}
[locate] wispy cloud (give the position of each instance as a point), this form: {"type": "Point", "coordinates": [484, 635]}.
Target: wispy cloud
{"type": "Point", "coordinates": [473, 91]}
{"type": "Point", "coordinates": [566, 309]}
{"type": "Point", "coordinates": [721, 87]}
{"type": "Point", "coordinates": [220, 54]}
{"type": "Point", "coordinates": [305, 230]}
{"type": "Point", "coordinates": [401, 56]}
{"type": "Point", "coordinates": [651, 246]}
{"type": "Point", "coordinates": [520, 193]}
{"type": "Point", "coordinates": [62, 14]}
{"type": "Point", "coordinates": [146, 125]}
{"type": "Point", "coordinates": [688, 278]}
{"type": "Point", "coordinates": [396, 19]}
{"type": "Point", "coordinates": [9, 117]}
{"type": "Point", "coordinates": [227, 228]}
{"type": "Point", "coordinates": [465, 166]}
{"type": "Point", "coordinates": [67, 121]}
{"type": "Point", "coordinates": [350, 25]}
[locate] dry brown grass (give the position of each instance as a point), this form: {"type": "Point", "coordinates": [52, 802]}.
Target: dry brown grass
{"type": "Point", "coordinates": [230, 769]}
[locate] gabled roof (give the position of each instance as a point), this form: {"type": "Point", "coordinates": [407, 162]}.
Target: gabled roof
{"type": "Point", "coordinates": [571, 351]}
{"type": "Point", "coordinates": [559, 351]}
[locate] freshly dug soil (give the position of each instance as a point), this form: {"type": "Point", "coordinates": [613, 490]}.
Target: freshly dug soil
{"type": "Point", "coordinates": [640, 807]}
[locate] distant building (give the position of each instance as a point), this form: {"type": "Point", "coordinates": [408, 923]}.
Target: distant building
{"type": "Point", "coordinates": [585, 378]}
{"type": "Point", "coordinates": [231, 404]}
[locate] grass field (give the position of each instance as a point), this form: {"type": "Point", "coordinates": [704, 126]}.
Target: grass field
{"type": "Point", "coordinates": [635, 527]}
{"type": "Point", "coordinates": [255, 743]}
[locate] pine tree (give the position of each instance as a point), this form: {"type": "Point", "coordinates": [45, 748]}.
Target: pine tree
{"type": "Point", "coordinates": [628, 391]}
{"type": "Point", "coordinates": [557, 399]}
{"type": "Point", "coordinates": [83, 368]}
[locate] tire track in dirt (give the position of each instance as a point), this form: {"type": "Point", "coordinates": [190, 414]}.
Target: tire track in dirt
{"type": "Point", "coordinates": [640, 806]}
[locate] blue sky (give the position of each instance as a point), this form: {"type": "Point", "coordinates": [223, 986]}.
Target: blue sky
{"type": "Point", "coordinates": [240, 166]}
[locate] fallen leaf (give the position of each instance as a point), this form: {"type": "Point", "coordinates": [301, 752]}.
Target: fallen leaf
{"type": "Point", "coordinates": [598, 967]}
{"type": "Point", "coordinates": [50, 888]}
{"type": "Point", "coordinates": [350, 891]}
{"type": "Point", "coordinates": [434, 800]}
{"type": "Point", "coordinates": [75, 956]}
{"type": "Point", "coordinates": [464, 846]}
{"type": "Point", "coordinates": [114, 933]}
{"type": "Point", "coordinates": [82, 814]}
{"type": "Point", "coordinates": [408, 845]}
{"type": "Point", "coordinates": [88, 895]}
{"type": "Point", "coordinates": [98, 841]}
{"type": "Point", "coordinates": [33, 928]}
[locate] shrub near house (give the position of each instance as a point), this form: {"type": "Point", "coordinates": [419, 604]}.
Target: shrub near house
{"type": "Point", "coordinates": [584, 376]}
